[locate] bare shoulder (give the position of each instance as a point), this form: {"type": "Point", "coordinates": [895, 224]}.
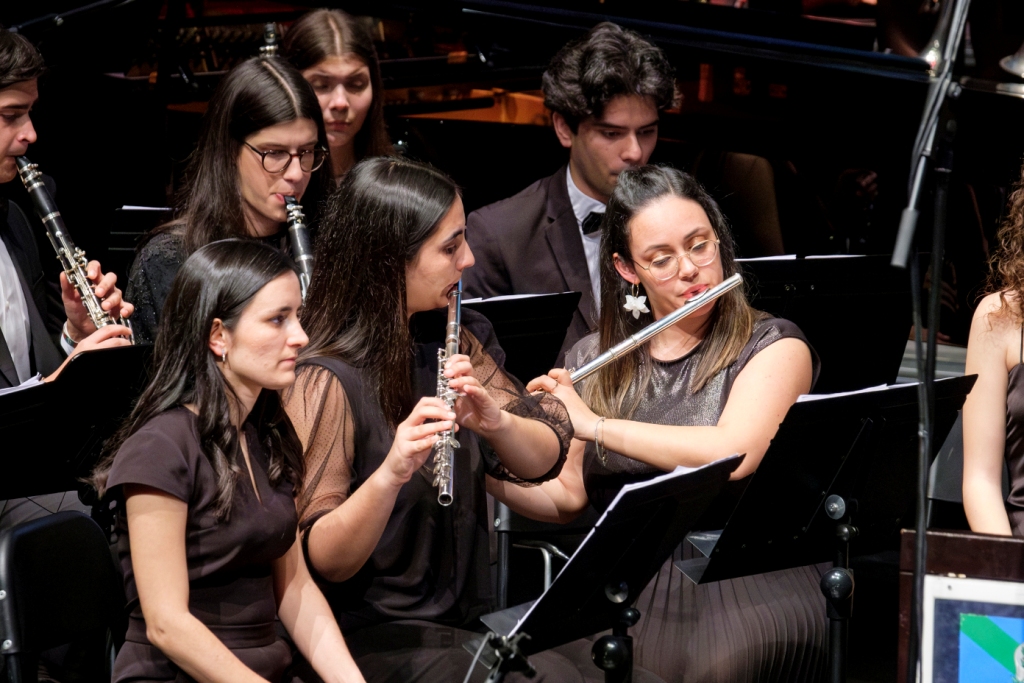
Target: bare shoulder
{"type": "Point", "coordinates": [998, 313]}
{"type": "Point", "coordinates": [995, 338]}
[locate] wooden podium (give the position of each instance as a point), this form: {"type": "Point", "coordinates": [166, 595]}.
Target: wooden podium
{"type": "Point", "coordinates": [957, 555]}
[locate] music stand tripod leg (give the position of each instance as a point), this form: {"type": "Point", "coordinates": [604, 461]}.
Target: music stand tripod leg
{"type": "Point", "coordinates": [837, 586]}
{"type": "Point", "coordinates": [614, 654]}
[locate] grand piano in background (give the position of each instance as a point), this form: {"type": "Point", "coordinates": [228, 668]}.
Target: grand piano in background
{"type": "Point", "coordinates": [779, 112]}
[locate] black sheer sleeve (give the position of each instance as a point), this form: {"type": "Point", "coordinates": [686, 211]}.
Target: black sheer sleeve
{"type": "Point", "coordinates": [322, 416]}
{"type": "Point", "coordinates": [150, 280]}
{"type": "Point", "coordinates": [488, 358]}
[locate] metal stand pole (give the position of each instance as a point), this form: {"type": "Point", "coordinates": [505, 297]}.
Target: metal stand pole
{"type": "Point", "coordinates": [614, 654]}
{"type": "Point", "coordinates": [837, 586]}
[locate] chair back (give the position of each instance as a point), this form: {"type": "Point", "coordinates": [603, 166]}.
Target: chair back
{"type": "Point", "coordinates": [58, 581]}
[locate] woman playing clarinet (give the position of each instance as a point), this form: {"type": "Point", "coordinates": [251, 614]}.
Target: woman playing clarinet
{"type": "Point", "coordinates": [262, 140]}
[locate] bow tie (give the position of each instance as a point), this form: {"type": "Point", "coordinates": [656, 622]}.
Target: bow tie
{"type": "Point", "coordinates": [592, 223]}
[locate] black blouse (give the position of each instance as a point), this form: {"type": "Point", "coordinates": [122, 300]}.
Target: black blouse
{"type": "Point", "coordinates": [153, 271]}
{"type": "Point", "coordinates": [229, 560]}
{"type": "Point", "coordinates": [432, 562]}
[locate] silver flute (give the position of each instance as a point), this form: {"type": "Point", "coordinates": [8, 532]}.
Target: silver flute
{"type": "Point", "coordinates": [72, 259]}
{"type": "Point", "coordinates": [298, 237]}
{"type": "Point", "coordinates": [644, 335]}
{"type": "Point", "coordinates": [444, 448]}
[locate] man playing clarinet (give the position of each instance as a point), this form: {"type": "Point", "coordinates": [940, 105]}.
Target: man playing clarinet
{"type": "Point", "coordinates": [37, 316]}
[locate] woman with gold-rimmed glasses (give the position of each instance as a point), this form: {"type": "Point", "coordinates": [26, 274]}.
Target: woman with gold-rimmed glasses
{"type": "Point", "coordinates": [716, 383]}
{"type": "Point", "coordinates": [262, 140]}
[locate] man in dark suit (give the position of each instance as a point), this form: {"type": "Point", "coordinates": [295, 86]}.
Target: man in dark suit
{"type": "Point", "coordinates": [604, 92]}
{"type": "Point", "coordinates": [35, 314]}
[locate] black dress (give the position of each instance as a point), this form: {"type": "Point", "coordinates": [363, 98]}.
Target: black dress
{"type": "Point", "coordinates": [153, 271]}
{"type": "Point", "coordinates": [407, 612]}
{"type": "Point", "coordinates": [768, 627]}
{"type": "Point", "coordinates": [229, 562]}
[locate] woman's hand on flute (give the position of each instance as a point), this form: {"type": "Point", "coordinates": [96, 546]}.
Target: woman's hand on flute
{"type": "Point", "coordinates": [476, 409]}
{"type": "Point", "coordinates": [557, 383]}
{"type": "Point", "coordinates": [415, 437]}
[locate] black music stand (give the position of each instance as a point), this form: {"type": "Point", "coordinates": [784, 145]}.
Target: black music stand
{"type": "Point", "coordinates": [840, 469]}
{"type": "Point", "coordinates": [530, 328]}
{"type": "Point", "coordinates": [53, 433]}
{"type": "Point", "coordinates": [817, 295]}
{"type": "Point", "coordinates": [604, 577]}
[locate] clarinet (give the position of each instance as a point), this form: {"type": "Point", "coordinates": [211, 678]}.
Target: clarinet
{"type": "Point", "coordinates": [71, 257]}
{"type": "Point", "coordinates": [444, 449]}
{"type": "Point", "coordinates": [269, 47]}
{"type": "Point", "coordinates": [644, 335]}
{"type": "Point", "coordinates": [298, 236]}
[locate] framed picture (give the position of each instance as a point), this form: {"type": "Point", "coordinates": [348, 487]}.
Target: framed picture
{"type": "Point", "coordinates": [973, 631]}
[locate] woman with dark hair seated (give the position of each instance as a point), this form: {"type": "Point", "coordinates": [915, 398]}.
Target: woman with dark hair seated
{"type": "Point", "coordinates": [335, 53]}
{"type": "Point", "coordinates": [716, 383]}
{"type": "Point", "coordinates": [406, 577]}
{"type": "Point", "coordinates": [262, 139]}
{"type": "Point", "coordinates": [206, 468]}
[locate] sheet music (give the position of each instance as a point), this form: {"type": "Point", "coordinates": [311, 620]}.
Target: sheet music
{"type": "Point", "coordinates": [805, 398]}
{"type": "Point", "coordinates": [27, 384]}
{"type": "Point", "coordinates": [677, 472]}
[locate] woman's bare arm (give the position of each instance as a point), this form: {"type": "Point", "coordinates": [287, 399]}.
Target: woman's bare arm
{"type": "Point", "coordinates": [985, 418]}
{"type": "Point", "coordinates": [559, 500]}
{"type": "Point", "coordinates": [305, 614]}
{"type": "Point", "coordinates": [760, 398]}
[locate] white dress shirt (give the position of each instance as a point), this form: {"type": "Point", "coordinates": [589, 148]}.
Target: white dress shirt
{"type": "Point", "coordinates": [14, 315]}
{"type": "Point", "coordinates": [583, 206]}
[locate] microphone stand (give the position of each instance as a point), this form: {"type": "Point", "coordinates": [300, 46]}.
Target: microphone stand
{"type": "Point", "coordinates": [936, 139]}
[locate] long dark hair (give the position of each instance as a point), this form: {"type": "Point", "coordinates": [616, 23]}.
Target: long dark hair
{"type": "Point", "coordinates": [373, 227]}
{"type": "Point", "coordinates": [256, 94]}
{"type": "Point", "coordinates": [613, 393]}
{"type": "Point", "coordinates": [217, 281]}
{"type": "Point", "coordinates": [324, 33]}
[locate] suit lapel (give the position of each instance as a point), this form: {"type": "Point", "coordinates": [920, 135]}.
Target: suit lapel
{"type": "Point", "coordinates": [563, 234]}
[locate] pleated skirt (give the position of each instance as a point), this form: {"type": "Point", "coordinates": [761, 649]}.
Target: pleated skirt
{"type": "Point", "coordinates": [767, 627]}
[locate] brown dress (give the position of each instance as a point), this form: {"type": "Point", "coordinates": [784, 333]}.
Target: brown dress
{"type": "Point", "coordinates": [229, 561]}
{"type": "Point", "coordinates": [768, 627]}
{"type": "Point", "coordinates": [1014, 450]}
{"type": "Point", "coordinates": [407, 612]}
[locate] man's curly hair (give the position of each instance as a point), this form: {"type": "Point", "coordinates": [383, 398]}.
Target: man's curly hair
{"type": "Point", "coordinates": [19, 59]}
{"type": "Point", "coordinates": [610, 61]}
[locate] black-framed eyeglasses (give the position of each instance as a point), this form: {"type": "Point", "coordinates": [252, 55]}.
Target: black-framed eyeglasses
{"type": "Point", "coordinates": [277, 160]}
{"type": "Point", "coordinates": [667, 267]}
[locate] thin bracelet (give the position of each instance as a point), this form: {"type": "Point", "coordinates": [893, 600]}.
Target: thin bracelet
{"type": "Point", "coordinates": [601, 454]}
{"type": "Point", "coordinates": [67, 337]}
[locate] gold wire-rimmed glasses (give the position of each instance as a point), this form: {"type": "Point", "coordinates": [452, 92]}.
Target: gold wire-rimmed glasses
{"type": "Point", "coordinates": [667, 267]}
